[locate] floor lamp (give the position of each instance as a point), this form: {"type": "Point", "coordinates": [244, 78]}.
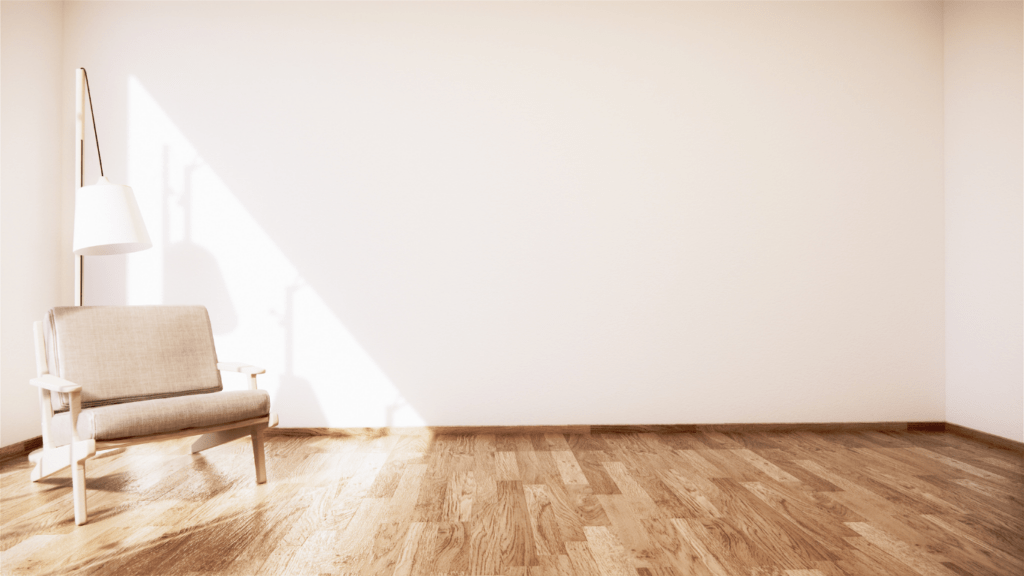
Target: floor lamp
{"type": "Point", "coordinates": [107, 217]}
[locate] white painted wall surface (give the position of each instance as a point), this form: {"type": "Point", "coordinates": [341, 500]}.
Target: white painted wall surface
{"type": "Point", "coordinates": [30, 167]}
{"type": "Point", "coordinates": [538, 213]}
{"type": "Point", "coordinates": [984, 87]}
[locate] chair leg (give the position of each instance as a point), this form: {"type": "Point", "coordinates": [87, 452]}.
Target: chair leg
{"type": "Point", "coordinates": [78, 487]}
{"type": "Point", "coordinates": [257, 454]}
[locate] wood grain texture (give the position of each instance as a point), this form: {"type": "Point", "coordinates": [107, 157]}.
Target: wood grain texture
{"type": "Point", "coordinates": [630, 501]}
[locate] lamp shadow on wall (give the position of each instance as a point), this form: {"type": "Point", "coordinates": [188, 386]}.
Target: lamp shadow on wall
{"type": "Point", "coordinates": [295, 393]}
{"type": "Point", "coordinates": [191, 272]}
{"type": "Point", "coordinates": [209, 250]}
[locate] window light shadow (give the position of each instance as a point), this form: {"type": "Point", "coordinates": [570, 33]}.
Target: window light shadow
{"type": "Point", "coordinates": [209, 250]}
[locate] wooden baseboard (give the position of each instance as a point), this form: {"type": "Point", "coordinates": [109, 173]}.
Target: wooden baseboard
{"type": "Point", "coordinates": [613, 429]}
{"type": "Point", "coordinates": [765, 427]}
{"type": "Point", "coordinates": [642, 428]}
{"type": "Point", "coordinates": [421, 430]}
{"type": "Point", "coordinates": [806, 427]}
{"type": "Point", "coordinates": [926, 426]}
{"type": "Point", "coordinates": [991, 439]}
{"type": "Point", "coordinates": [19, 449]}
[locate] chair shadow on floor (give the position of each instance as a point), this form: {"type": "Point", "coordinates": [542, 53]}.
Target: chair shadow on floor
{"type": "Point", "coordinates": [210, 546]}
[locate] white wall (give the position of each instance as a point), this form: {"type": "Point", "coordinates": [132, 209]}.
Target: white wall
{"type": "Point", "coordinates": [984, 91]}
{"type": "Point", "coordinates": [538, 213]}
{"type": "Point", "coordinates": [532, 213]}
{"type": "Point", "coordinates": [30, 167]}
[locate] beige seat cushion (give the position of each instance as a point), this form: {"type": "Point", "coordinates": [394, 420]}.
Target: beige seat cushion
{"type": "Point", "coordinates": [162, 416]}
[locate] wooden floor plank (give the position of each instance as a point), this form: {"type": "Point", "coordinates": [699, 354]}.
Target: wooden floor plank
{"type": "Point", "coordinates": [628, 530]}
{"type": "Point", "coordinates": [547, 536]}
{"type": "Point", "coordinates": [681, 553]}
{"type": "Point", "coordinates": [449, 548]}
{"type": "Point", "coordinates": [515, 533]}
{"type": "Point", "coordinates": [609, 554]}
{"type": "Point", "coordinates": [569, 468]}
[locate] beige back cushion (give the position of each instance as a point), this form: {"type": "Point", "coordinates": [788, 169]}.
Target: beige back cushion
{"type": "Point", "coordinates": [130, 353]}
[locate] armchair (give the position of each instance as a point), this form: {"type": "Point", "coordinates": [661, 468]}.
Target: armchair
{"type": "Point", "coordinates": [113, 376]}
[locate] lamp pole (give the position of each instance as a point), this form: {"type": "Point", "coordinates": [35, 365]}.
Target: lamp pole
{"type": "Point", "coordinates": [79, 149]}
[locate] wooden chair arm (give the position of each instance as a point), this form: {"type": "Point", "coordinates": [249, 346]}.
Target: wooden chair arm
{"type": "Point", "coordinates": [55, 384]}
{"type": "Point", "coordinates": [240, 367]}
{"type": "Point", "coordinates": [247, 369]}
{"type": "Point", "coordinates": [62, 386]}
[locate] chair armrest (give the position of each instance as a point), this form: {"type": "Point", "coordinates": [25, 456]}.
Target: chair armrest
{"type": "Point", "coordinates": [55, 384]}
{"type": "Point", "coordinates": [240, 367]}
{"type": "Point", "coordinates": [61, 386]}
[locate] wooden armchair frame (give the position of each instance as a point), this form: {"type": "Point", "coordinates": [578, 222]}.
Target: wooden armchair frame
{"type": "Point", "coordinates": [51, 459]}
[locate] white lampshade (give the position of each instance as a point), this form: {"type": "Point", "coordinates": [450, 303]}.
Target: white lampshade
{"type": "Point", "coordinates": [108, 221]}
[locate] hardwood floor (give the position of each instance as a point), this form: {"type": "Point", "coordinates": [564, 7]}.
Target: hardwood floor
{"type": "Point", "coordinates": [609, 504]}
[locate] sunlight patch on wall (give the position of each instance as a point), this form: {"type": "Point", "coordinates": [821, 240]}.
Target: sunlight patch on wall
{"type": "Point", "coordinates": [207, 249]}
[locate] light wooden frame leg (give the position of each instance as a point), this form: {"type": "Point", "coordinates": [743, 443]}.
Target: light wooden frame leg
{"type": "Point", "coordinates": [257, 454]}
{"type": "Point", "coordinates": [78, 487]}
{"type": "Point", "coordinates": [207, 441]}
{"type": "Point", "coordinates": [52, 460]}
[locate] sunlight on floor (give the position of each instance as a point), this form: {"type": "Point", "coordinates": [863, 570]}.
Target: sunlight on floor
{"type": "Point", "coordinates": [207, 249]}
